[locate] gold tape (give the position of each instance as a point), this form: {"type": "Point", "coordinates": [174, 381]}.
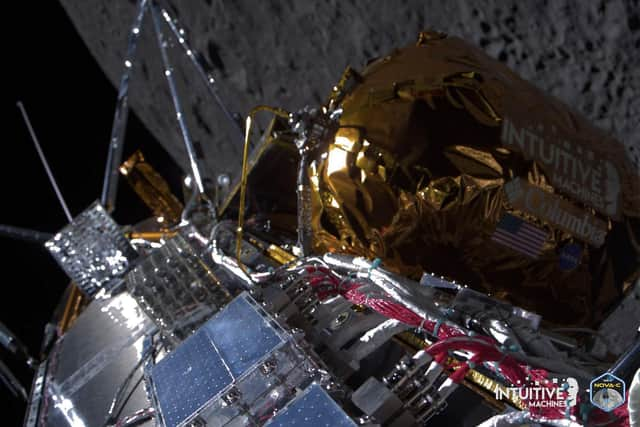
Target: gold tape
{"type": "Point", "coordinates": [151, 188]}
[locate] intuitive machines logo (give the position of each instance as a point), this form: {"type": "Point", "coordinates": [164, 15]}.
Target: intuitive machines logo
{"type": "Point", "coordinates": [572, 168]}
{"type": "Point", "coordinates": [608, 392]}
{"type": "Point", "coordinates": [543, 395]}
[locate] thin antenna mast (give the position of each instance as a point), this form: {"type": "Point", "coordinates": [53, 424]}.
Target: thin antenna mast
{"type": "Point", "coordinates": [43, 159]}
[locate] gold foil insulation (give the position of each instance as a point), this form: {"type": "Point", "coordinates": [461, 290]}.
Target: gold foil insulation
{"type": "Point", "coordinates": [151, 188]}
{"type": "Point", "coordinates": [442, 149]}
{"type": "Point", "coordinates": [76, 302]}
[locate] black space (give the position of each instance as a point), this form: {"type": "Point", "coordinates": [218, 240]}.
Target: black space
{"type": "Point", "coordinates": [71, 105]}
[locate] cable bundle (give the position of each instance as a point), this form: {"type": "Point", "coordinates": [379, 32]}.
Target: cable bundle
{"type": "Point", "coordinates": [328, 284]}
{"type": "Point", "coordinates": [485, 350]}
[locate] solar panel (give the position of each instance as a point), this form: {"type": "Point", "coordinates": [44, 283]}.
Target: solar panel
{"type": "Point", "coordinates": [207, 363]}
{"type": "Point", "coordinates": [242, 336]}
{"type": "Point", "coordinates": [313, 408]}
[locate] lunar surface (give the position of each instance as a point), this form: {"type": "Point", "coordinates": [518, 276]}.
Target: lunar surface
{"type": "Point", "coordinates": [290, 53]}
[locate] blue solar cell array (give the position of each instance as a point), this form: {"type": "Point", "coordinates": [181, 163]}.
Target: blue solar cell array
{"type": "Point", "coordinates": [205, 364]}
{"type": "Point", "coordinates": [314, 408]}
{"type": "Point", "coordinates": [242, 336]}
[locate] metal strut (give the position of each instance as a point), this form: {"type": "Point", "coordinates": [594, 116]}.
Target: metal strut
{"type": "Point", "coordinates": [207, 78]}
{"type": "Point", "coordinates": [24, 234]}
{"type": "Point", "coordinates": [114, 156]}
{"type": "Point", "coordinates": [168, 72]}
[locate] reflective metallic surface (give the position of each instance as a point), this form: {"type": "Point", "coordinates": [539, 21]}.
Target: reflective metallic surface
{"type": "Point", "coordinates": [90, 362]}
{"type": "Point", "coordinates": [568, 49]}
{"type": "Point", "coordinates": [176, 289]}
{"type": "Point", "coordinates": [92, 250]}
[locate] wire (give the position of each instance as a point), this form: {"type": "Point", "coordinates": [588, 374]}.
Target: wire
{"type": "Point", "coordinates": [196, 60]}
{"type": "Point", "coordinates": [112, 414]}
{"type": "Point", "coordinates": [117, 414]}
{"type": "Point", "coordinates": [136, 418]}
{"type": "Point", "coordinates": [326, 283]}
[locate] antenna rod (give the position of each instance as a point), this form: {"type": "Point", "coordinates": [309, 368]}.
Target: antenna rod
{"type": "Point", "coordinates": [43, 159]}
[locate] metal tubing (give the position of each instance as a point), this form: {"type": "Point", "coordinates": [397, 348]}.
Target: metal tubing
{"type": "Point", "coordinates": [25, 234]}
{"type": "Point", "coordinates": [168, 72]}
{"type": "Point", "coordinates": [119, 126]}
{"type": "Point", "coordinates": [627, 364]}
{"type": "Point", "coordinates": [208, 79]}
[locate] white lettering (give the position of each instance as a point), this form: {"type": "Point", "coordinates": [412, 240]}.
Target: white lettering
{"type": "Point", "coordinates": [596, 180]}
{"type": "Point", "coordinates": [516, 138]}
{"type": "Point", "coordinates": [567, 167]}
{"type": "Point", "coordinates": [551, 208]}
{"type": "Point", "coordinates": [584, 171]}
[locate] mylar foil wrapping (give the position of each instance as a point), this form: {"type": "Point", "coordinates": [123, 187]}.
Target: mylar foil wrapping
{"type": "Point", "coordinates": [92, 250]}
{"type": "Point", "coordinates": [152, 189]}
{"type": "Point", "coordinates": [447, 162]}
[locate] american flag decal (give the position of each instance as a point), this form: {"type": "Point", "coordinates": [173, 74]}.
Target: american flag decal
{"type": "Point", "coordinates": [519, 235]}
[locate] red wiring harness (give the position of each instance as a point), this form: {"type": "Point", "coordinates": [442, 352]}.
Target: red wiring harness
{"type": "Point", "coordinates": [327, 284]}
